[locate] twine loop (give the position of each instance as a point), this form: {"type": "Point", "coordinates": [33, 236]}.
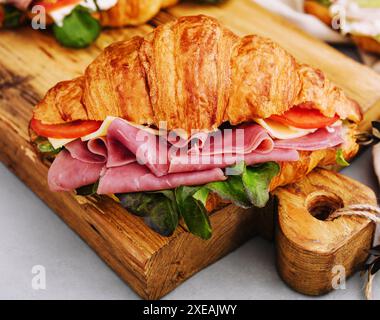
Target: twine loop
{"type": "Point", "coordinates": [370, 212]}
{"type": "Point", "coordinates": [362, 210]}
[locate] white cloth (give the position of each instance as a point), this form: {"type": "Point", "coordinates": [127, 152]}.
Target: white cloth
{"type": "Point", "coordinates": [293, 11]}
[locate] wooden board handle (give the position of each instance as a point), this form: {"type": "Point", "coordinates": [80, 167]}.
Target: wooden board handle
{"type": "Point", "coordinates": [307, 246]}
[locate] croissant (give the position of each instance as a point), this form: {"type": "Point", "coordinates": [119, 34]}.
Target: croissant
{"type": "Point", "coordinates": [133, 12]}
{"type": "Point", "coordinates": [195, 74]}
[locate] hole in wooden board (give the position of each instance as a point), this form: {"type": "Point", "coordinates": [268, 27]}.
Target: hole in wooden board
{"type": "Point", "coordinates": [321, 204]}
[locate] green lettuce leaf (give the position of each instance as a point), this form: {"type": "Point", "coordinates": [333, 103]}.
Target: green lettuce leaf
{"type": "Point", "coordinates": [249, 186]}
{"type": "Point", "coordinates": [157, 208]}
{"type": "Point", "coordinates": [340, 158]}
{"type": "Point", "coordinates": [79, 29]}
{"type": "Point", "coordinates": [245, 187]}
{"type": "Point", "coordinates": [256, 182]}
{"type": "Point", "coordinates": [202, 195]}
{"type": "Point", "coordinates": [193, 211]}
{"type": "Point", "coordinates": [232, 190]}
{"type": "Point", "coordinates": [44, 146]}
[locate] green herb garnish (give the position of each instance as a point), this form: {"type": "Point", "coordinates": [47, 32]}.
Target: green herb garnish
{"type": "Point", "coordinates": [79, 29]}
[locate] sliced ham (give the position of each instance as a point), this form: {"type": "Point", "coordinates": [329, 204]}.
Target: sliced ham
{"type": "Point", "coordinates": [100, 150]}
{"type": "Point", "coordinates": [135, 178]}
{"type": "Point", "coordinates": [67, 173]}
{"type": "Point", "coordinates": [98, 147]}
{"type": "Point", "coordinates": [320, 139]}
{"type": "Point", "coordinates": [155, 151]}
{"type": "Point", "coordinates": [92, 152]}
{"type": "Point", "coordinates": [148, 148]}
{"type": "Point", "coordinates": [131, 159]}
{"type": "Point", "coordinates": [240, 140]}
{"type": "Point", "coordinates": [176, 140]}
{"type": "Point", "coordinates": [118, 154]}
{"type": "Point", "coordinates": [185, 163]}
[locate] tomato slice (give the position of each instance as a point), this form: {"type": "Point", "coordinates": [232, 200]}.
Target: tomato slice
{"type": "Point", "coordinates": [304, 118]}
{"type": "Point", "coordinates": [70, 130]}
{"type": "Point", "coordinates": [51, 5]}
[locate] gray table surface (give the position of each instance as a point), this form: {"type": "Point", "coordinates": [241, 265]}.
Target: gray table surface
{"type": "Point", "coordinates": [31, 234]}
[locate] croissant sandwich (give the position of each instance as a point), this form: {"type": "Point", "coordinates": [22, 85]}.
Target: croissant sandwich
{"type": "Point", "coordinates": [77, 23]}
{"type": "Point", "coordinates": [191, 117]}
{"type": "Point", "coordinates": [361, 19]}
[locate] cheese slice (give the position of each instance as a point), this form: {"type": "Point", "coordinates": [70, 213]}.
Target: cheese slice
{"type": "Point", "coordinates": [282, 131]}
{"type": "Point", "coordinates": [58, 143]}
{"type": "Point", "coordinates": [102, 131]}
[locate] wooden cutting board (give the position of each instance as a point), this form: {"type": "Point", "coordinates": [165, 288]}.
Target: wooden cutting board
{"type": "Point", "coordinates": [31, 62]}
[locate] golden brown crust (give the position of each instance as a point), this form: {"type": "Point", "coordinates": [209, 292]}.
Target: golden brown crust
{"type": "Point", "coordinates": [115, 84]}
{"type": "Point", "coordinates": [187, 68]}
{"type": "Point", "coordinates": [194, 74]}
{"type": "Point", "coordinates": [132, 12]}
{"type": "Point", "coordinates": [265, 80]}
{"type": "Point", "coordinates": [66, 98]}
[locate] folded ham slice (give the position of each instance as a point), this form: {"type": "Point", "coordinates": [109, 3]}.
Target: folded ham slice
{"type": "Point", "coordinates": [118, 155]}
{"type": "Point", "coordinates": [243, 139]}
{"type": "Point", "coordinates": [94, 151]}
{"type": "Point", "coordinates": [149, 149]}
{"type": "Point", "coordinates": [135, 178]}
{"type": "Point", "coordinates": [100, 150]}
{"type": "Point", "coordinates": [156, 152]}
{"type": "Point", "coordinates": [187, 163]}
{"type": "Point", "coordinates": [67, 173]}
{"type": "Point", "coordinates": [320, 139]}
{"type": "Point", "coordinates": [130, 159]}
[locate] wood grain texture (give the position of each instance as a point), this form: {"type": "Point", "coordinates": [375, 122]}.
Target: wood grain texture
{"type": "Point", "coordinates": [31, 62]}
{"type": "Point", "coordinates": [309, 247]}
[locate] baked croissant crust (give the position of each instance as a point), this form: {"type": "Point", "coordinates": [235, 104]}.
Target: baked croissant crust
{"type": "Point", "coordinates": [194, 74]}
{"type": "Point", "coordinates": [133, 12]}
